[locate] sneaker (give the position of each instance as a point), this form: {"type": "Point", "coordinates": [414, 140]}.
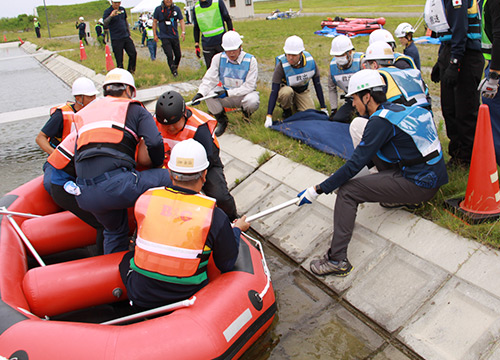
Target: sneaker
{"type": "Point", "coordinates": [401, 205]}
{"type": "Point", "coordinates": [325, 266]}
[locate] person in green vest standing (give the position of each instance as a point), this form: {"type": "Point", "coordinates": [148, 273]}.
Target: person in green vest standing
{"type": "Point", "coordinates": [150, 36]}
{"type": "Point", "coordinates": [208, 19]}
{"type": "Point", "coordinates": [99, 30]}
{"type": "Point", "coordinates": [36, 23]}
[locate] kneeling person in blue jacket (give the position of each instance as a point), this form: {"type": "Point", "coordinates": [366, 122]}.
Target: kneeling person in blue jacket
{"type": "Point", "coordinates": [402, 142]}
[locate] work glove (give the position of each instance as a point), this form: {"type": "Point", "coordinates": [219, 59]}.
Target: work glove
{"type": "Point", "coordinates": [195, 98]}
{"type": "Point", "coordinates": [450, 76]}
{"type": "Point", "coordinates": [332, 114]}
{"type": "Point", "coordinates": [325, 110]}
{"type": "Point", "coordinates": [435, 76]}
{"type": "Point", "coordinates": [307, 196]}
{"type": "Point", "coordinates": [269, 121]}
{"type": "Point", "coordinates": [198, 52]}
{"type": "Point", "coordinates": [221, 93]}
{"type": "Point", "coordinates": [488, 87]}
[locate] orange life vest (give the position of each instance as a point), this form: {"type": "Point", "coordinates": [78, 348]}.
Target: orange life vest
{"type": "Point", "coordinates": [62, 157]}
{"type": "Point", "coordinates": [171, 236]}
{"type": "Point", "coordinates": [102, 124]}
{"type": "Point", "coordinates": [197, 119]}
{"type": "Point", "coordinates": [68, 114]}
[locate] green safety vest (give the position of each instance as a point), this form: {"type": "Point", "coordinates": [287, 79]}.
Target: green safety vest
{"type": "Point", "coordinates": [37, 24]}
{"type": "Point", "coordinates": [209, 19]}
{"type": "Point", "coordinates": [485, 41]}
{"type": "Point", "coordinates": [150, 34]}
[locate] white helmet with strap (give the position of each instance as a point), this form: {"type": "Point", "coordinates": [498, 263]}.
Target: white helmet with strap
{"type": "Point", "coordinates": [379, 50]}
{"type": "Point", "coordinates": [340, 45]}
{"type": "Point", "coordinates": [293, 45]}
{"type": "Point", "coordinates": [365, 79]}
{"type": "Point", "coordinates": [119, 76]}
{"type": "Point", "coordinates": [403, 29]}
{"type": "Point", "coordinates": [187, 160]}
{"type": "Point", "coordinates": [231, 40]}
{"type": "Point", "coordinates": [83, 86]}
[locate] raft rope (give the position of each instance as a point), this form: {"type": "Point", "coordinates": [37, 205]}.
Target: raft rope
{"type": "Point", "coordinates": [264, 265]}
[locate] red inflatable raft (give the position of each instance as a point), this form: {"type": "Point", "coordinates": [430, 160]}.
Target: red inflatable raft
{"type": "Point", "coordinates": [220, 322]}
{"type": "Point", "coordinates": [354, 26]}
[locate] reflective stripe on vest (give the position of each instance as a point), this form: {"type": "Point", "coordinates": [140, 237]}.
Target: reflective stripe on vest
{"type": "Point", "coordinates": [233, 75]}
{"type": "Point", "coordinates": [298, 76]}
{"type": "Point", "coordinates": [474, 24]}
{"type": "Point", "coordinates": [103, 122]}
{"type": "Point", "coordinates": [197, 119]}
{"type": "Point", "coordinates": [63, 155]}
{"type": "Point", "coordinates": [404, 86]}
{"type": "Point", "coordinates": [209, 19]}
{"type": "Point", "coordinates": [408, 59]}
{"type": "Point", "coordinates": [418, 123]}
{"type": "Point", "coordinates": [486, 44]}
{"type": "Point", "coordinates": [341, 77]}
{"type": "Point", "coordinates": [68, 115]}
{"type": "Point", "coordinates": [172, 231]}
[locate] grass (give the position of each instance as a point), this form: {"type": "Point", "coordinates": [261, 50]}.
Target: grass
{"type": "Point", "coordinates": [265, 39]}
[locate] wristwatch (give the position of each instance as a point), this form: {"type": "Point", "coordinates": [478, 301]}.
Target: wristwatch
{"type": "Point", "coordinates": [493, 75]}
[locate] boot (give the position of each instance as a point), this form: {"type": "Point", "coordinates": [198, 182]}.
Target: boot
{"type": "Point", "coordinates": [246, 115]}
{"type": "Point", "coordinates": [174, 70]}
{"type": "Point", "coordinates": [222, 121]}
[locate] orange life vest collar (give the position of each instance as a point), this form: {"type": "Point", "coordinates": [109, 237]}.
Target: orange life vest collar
{"type": "Point", "coordinates": [64, 153]}
{"type": "Point", "coordinates": [68, 114]}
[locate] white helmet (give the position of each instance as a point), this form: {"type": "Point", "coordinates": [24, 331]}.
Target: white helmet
{"type": "Point", "coordinates": [403, 29]}
{"type": "Point", "coordinates": [34, 19]}
{"type": "Point", "coordinates": [231, 40]}
{"type": "Point", "coordinates": [119, 76]}
{"type": "Point", "coordinates": [365, 79]}
{"type": "Point", "coordinates": [101, 21]}
{"type": "Point", "coordinates": [293, 45]}
{"type": "Point", "coordinates": [81, 18]}
{"type": "Point", "coordinates": [340, 45]}
{"type": "Point", "coordinates": [381, 35]}
{"type": "Point", "coordinates": [187, 157]}
{"type": "Point", "coordinates": [149, 22]}
{"type": "Point", "coordinates": [84, 86]}
{"type": "Point", "coordinates": [379, 50]}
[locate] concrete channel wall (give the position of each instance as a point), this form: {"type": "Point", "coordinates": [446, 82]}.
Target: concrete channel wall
{"type": "Point", "coordinates": [434, 294]}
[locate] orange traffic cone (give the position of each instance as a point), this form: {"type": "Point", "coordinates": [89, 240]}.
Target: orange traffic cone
{"type": "Point", "coordinates": [4, 38]}
{"type": "Point", "coordinates": [21, 40]}
{"type": "Point", "coordinates": [83, 54]}
{"type": "Point", "coordinates": [110, 65]}
{"type": "Point", "coordinates": [482, 197]}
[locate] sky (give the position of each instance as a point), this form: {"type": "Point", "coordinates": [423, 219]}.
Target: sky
{"type": "Point", "coordinates": [14, 8]}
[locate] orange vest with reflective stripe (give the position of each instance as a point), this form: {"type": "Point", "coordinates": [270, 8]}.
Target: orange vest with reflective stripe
{"type": "Point", "coordinates": [103, 122]}
{"type": "Point", "coordinates": [63, 153]}
{"type": "Point", "coordinates": [172, 231]}
{"type": "Point", "coordinates": [197, 119]}
{"type": "Point", "coordinates": [68, 118]}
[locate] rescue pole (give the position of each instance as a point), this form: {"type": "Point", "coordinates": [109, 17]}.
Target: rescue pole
{"type": "Point", "coordinates": [271, 210]}
{"type": "Point", "coordinates": [4, 211]}
{"type": "Point", "coordinates": [203, 98]}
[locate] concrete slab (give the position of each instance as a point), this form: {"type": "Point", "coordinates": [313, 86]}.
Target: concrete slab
{"type": "Point", "coordinates": [301, 233]}
{"type": "Point", "coordinates": [482, 269]}
{"type": "Point", "coordinates": [395, 288]}
{"type": "Point", "coordinates": [235, 170]}
{"type": "Point", "coordinates": [279, 167]}
{"type": "Point", "coordinates": [391, 353]}
{"type": "Point", "coordinates": [242, 149]}
{"type": "Point", "coordinates": [253, 190]}
{"type": "Point", "coordinates": [459, 322]}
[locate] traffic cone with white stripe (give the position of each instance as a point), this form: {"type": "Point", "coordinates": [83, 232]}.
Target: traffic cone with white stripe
{"type": "Point", "coordinates": [482, 197]}
{"type": "Point", "coordinates": [83, 54]}
{"type": "Point", "coordinates": [110, 65]}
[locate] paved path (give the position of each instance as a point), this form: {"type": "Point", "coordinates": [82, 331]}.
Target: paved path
{"type": "Point", "coordinates": [423, 291]}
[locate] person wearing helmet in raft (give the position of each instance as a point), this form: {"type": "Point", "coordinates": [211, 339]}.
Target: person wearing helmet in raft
{"type": "Point", "coordinates": [177, 122]}
{"type": "Point", "coordinates": [109, 131]}
{"type": "Point", "coordinates": [411, 169]}
{"type": "Point", "coordinates": [237, 71]}
{"type": "Point", "coordinates": [344, 64]}
{"type": "Point", "coordinates": [60, 123]}
{"type": "Point", "coordinates": [290, 84]}
{"type": "Point", "coordinates": [169, 263]}
{"type": "Point", "coordinates": [80, 25]}
{"type": "Point", "coordinates": [404, 33]}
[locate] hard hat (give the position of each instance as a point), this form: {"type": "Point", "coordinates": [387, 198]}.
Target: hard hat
{"type": "Point", "coordinates": [379, 50]}
{"type": "Point", "coordinates": [149, 22]}
{"type": "Point", "coordinates": [100, 21]}
{"type": "Point", "coordinates": [403, 29]}
{"type": "Point", "coordinates": [381, 35]}
{"type": "Point", "coordinates": [119, 76]}
{"type": "Point", "coordinates": [188, 157]}
{"type": "Point", "coordinates": [34, 19]}
{"type": "Point", "coordinates": [116, 1]}
{"type": "Point", "coordinates": [365, 79]}
{"type": "Point", "coordinates": [340, 45]}
{"type": "Point", "coordinates": [81, 18]}
{"type": "Point", "coordinates": [84, 86]}
{"type": "Point", "coordinates": [293, 45]}
{"type": "Point", "coordinates": [231, 40]}
{"type": "Point", "coordinates": [170, 107]}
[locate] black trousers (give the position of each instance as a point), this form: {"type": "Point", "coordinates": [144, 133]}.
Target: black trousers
{"type": "Point", "coordinates": [460, 103]}
{"type": "Point", "coordinates": [209, 52]}
{"type": "Point", "coordinates": [84, 39]}
{"type": "Point", "coordinates": [216, 187]}
{"type": "Point", "coordinates": [128, 45]}
{"type": "Point", "coordinates": [345, 113]}
{"type": "Point", "coordinates": [172, 50]}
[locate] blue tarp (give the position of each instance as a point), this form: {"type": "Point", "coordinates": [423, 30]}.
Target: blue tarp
{"type": "Point", "coordinates": [313, 128]}
{"type": "Point", "coordinates": [426, 40]}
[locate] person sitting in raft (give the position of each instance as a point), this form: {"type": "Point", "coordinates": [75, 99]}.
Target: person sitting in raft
{"type": "Point", "coordinates": [177, 230]}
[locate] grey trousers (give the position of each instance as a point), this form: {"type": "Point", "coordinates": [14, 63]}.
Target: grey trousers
{"type": "Point", "coordinates": [387, 186]}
